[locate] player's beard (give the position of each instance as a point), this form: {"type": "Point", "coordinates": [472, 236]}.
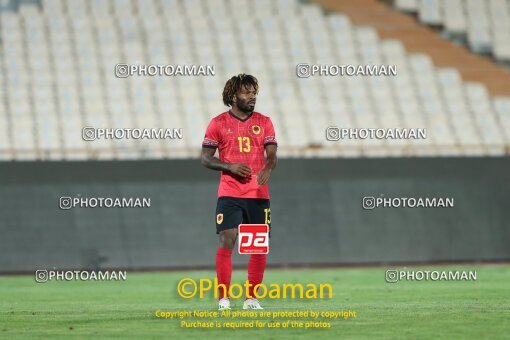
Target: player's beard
{"type": "Point", "coordinates": [245, 107]}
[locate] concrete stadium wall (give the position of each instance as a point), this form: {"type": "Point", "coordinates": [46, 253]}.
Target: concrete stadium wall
{"type": "Point", "coordinates": [317, 215]}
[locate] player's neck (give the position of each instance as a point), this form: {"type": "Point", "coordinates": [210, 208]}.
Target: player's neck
{"type": "Point", "coordinates": [240, 114]}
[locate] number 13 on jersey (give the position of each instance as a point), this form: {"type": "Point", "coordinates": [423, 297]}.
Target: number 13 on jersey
{"type": "Point", "coordinates": [244, 144]}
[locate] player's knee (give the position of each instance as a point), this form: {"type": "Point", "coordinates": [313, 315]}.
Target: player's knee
{"type": "Point", "coordinates": [227, 239]}
{"type": "Point", "coordinates": [227, 244]}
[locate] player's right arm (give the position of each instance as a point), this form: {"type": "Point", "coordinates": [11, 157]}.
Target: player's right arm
{"type": "Point", "coordinates": [209, 161]}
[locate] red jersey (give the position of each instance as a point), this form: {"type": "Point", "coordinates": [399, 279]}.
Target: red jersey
{"type": "Point", "coordinates": [241, 141]}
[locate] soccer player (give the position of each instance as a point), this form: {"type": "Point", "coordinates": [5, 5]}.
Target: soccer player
{"type": "Point", "coordinates": [241, 136]}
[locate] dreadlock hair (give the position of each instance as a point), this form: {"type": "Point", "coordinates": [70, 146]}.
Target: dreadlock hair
{"type": "Point", "coordinates": [235, 83]}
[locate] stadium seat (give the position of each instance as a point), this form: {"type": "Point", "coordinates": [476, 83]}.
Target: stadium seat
{"type": "Point", "coordinates": [74, 47]}
{"type": "Point", "coordinates": [484, 24]}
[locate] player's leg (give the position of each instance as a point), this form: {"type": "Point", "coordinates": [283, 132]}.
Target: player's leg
{"type": "Point", "coordinates": [228, 218]}
{"type": "Point", "coordinates": [258, 213]}
{"type": "Point", "coordinates": [224, 265]}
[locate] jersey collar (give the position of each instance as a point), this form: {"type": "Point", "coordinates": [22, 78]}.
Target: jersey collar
{"type": "Point", "coordinates": [242, 120]}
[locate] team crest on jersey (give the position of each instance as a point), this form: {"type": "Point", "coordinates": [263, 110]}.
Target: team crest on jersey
{"type": "Point", "coordinates": [219, 218]}
{"type": "Point", "coordinates": [255, 129]}
{"type": "Point", "coordinates": [229, 131]}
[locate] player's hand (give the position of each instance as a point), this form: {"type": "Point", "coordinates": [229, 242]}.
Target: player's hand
{"type": "Point", "coordinates": [263, 176]}
{"type": "Point", "coordinates": [240, 169]}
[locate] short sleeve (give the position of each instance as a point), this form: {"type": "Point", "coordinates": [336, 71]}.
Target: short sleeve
{"type": "Point", "coordinates": [269, 134]}
{"type": "Point", "coordinates": [212, 136]}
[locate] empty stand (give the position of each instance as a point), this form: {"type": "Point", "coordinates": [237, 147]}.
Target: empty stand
{"type": "Point", "coordinates": [57, 76]}
{"type": "Point", "coordinates": [485, 24]}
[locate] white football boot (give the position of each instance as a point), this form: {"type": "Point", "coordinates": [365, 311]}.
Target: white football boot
{"type": "Point", "coordinates": [251, 304]}
{"type": "Point", "coordinates": [224, 304]}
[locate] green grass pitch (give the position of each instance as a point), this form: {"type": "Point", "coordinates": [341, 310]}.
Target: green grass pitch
{"type": "Point", "coordinates": [404, 310]}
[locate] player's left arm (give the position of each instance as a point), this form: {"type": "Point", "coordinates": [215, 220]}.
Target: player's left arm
{"type": "Point", "coordinates": [270, 144]}
{"type": "Point", "coordinates": [271, 160]}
